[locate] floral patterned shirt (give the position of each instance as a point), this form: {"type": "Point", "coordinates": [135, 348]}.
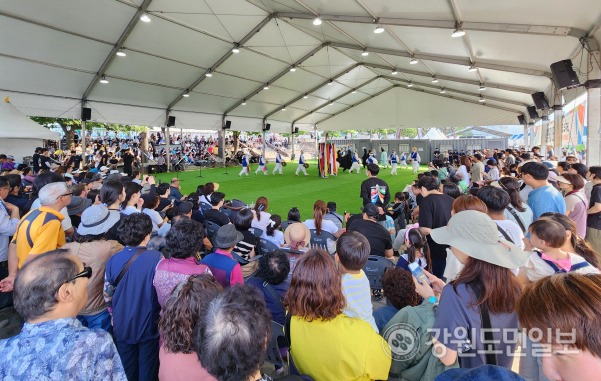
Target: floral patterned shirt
{"type": "Point", "coordinates": [60, 349]}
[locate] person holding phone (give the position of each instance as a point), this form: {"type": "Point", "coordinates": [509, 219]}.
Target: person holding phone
{"type": "Point", "coordinates": [486, 287]}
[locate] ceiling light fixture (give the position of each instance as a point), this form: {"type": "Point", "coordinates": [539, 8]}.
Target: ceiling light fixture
{"type": "Point", "coordinates": [293, 68]}
{"type": "Point", "coordinates": [482, 87]}
{"type": "Point", "coordinates": [379, 29]}
{"type": "Point", "coordinates": [331, 82]}
{"type": "Point", "coordinates": [394, 72]}
{"type": "Point", "coordinates": [305, 96]}
{"type": "Point", "coordinates": [209, 73]}
{"type": "Point", "coordinates": [244, 102]}
{"type": "Point", "coordinates": [413, 60]}
{"type": "Point", "coordinates": [354, 91]}
{"type": "Point", "coordinates": [121, 53]}
{"type": "Point", "coordinates": [103, 79]}
{"type": "Point", "coordinates": [187, 94]}
{"type": "Point", "coordinates": [266, 87]}
{"type": "Point", "coordinates": [410, 84]}
{"type": "Point", "coordinates": [145, 18]}
{"type": "Point", "coordinates": [458, 32]}
{"type": "Point", "coordinates": [434, 80]}
{"type": "Point", "coordinates": [365, 53]}
{"type": "Point", "coordinates": [442, 90]}
{"type": "Point", "coordinates": [284, 108]}
{"type": "Point", "coordinates": [316, 21]}
{"type": "Point", "coordinates": [472, 68]}
{"type": "Point", "coordinates": [236, 49]}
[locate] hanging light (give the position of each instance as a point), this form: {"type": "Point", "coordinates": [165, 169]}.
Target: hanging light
{"type": "Point", "coordinates": [186, 94]}
{"type": "Point", "coordinates": [442, 90]}
{"type": "Point", "coordinates": [145, 17]}
{"type": "Point", "coordinates": [458, 32]}
{"type": "Point", "coordinates": [121, 53]}
{"type": "Point", "coordinates": [481, 100]}
{"type": "Point", "coordinates": [305, 96]}
{"type": "Point", "coordinates": [316, 21]}
{"type": "Point", "coordinates": [244, 102]}
{"type": "Point", "coordinates": [266, 87]}
{"type": "Point", "coordinates": [236, 49]}
{"type": "Point", "coordinates": [293, 68]}
{"type": "Point", "coordinates": [103, 79]}
{"type": "Point", "coordinates": [472, 68]}
{"type": "Point", "coordinates": [394, 72]}
{"type": "Point", "coordinates": [331, 103]}
{"type": "Point", "coordinates": [379, 29]}
{"type": "Point", "coordinates": [482, 87]}
{"type": "Point", "coordinates": [434, 80]}
{"type": "Point", "coordinates": [410, 84]}
{"type": "Point", "coordinates": [365, 53]}
{"type": "Point", "coordinates": [413, 60]}
{"type": "Point", "coordinates": [209, 73]}
{"type": "Point", "coordinates": [354, 91]}
{"type": "Point", "coordinates": [331, 82]}
{"type": "Point", "coordinates": [284, 108]}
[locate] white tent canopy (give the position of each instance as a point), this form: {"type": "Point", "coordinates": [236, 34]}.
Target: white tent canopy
{"type": "Point", "coordinates": [54, 53]}
{"type": "Point", "coordinates": [19, 134]}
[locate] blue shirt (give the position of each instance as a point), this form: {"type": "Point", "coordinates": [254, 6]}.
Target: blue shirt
{"type": "Point", "coordinates": [274, 305]}
{"type": "Point", "coordinates": [546, 199]}
{"type": "Point", "coordinates": [383, 315]}
{"type": "Point", "coordinates": [60, 349]}
{"type": "Point", "coordinates": [134, 304]}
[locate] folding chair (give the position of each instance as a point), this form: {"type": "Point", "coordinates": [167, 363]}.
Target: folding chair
{"type": "Point", "coordinates": [374, 269]}
{"type": "Point", "coordinates": [266, 247]}
{"type": "Point", "coordinates": [325, 240]}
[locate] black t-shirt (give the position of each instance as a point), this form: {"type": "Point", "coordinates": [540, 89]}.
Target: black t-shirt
{"type": "Point", "coordinates": [163, 202]}
{"type": "Point", "coordinates": [375, 191]}
{"type": "Point", "coordinates": [377, 235]}
{"type": "Point", "coordinates": [435, 212]}
{"type": "Point", "coordinates": [197, 215]}
{"type": "Point", "coordinates": [36, 162]}
{"type": "Point", "coordinates": [43, 160]}
{"type": "Point", "coordinates": [217, 217]}
{"type": "Point", "coordinates": [128, 159]}
{"type": "Point", "coordinates": [594, 220]}
{"type": "Point", "coordinates": [75, 160]}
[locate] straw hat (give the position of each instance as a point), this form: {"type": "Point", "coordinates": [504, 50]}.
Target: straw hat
{"type": "Point", "coordinates": [297, 232]}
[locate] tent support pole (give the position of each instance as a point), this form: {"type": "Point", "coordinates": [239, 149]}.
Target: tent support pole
{"type": "Point", "coordinates": [83, 144]}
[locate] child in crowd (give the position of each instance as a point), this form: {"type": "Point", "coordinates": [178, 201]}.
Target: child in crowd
{"type": "Point", "coordinates": [352, 252]}
{"type": "Point", "coordinates": [397, 211]}
{"type": "Point", "coordinates": [493, 173]}
{"type": "Point", "coordinates": [547, 258]}
{"type": "Point", "coordinates": [272, 232]}
{"type": "Point", "coordinates": [417, 250]}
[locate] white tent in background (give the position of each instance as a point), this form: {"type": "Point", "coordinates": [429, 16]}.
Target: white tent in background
{"type": "Point", "coordinates": [434, 134]}
{"type": "Point", "coordinates": [20, 135]}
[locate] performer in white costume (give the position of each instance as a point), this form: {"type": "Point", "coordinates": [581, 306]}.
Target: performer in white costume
{"type": "Point", "coordinates": [278, 162]}
{"type": "Point", "coordinates": [301, 165]}
{"type": "Point", "coordinates": [394, 161]}
{"type": "Point", "coordinates": [355, 163]}
{"type": "Point", "coordinates": [404, 160]}
{"type": "Point", "coordinates": [372, 158]}
{"type": "Point", "coordinates": [245, 161]}
{"type": "Point", "coordinates": [415, 160]}
{"type": "Point", "coordinates": [262, 166]}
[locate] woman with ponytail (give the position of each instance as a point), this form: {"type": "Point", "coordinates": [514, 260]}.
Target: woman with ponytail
{"type": "Point", "coordinates": [261, 217]}
{"type": "Point", "coordinates": [272, 233]}
{"type": "Point", "coordinates": [417, 250]}
{"type": "Point", "coordinates": [318, 223]}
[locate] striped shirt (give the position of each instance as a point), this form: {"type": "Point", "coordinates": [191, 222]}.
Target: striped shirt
{"type": "Point", "coordinates": [357, 292]}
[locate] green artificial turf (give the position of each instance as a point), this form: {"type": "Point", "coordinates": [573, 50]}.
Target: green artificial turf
{"type": "Point", "coordinates": [287, 190]}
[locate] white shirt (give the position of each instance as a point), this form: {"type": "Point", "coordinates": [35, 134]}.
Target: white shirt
{"type": "Point", "coordinates": [465, 175]}
{"type": "Point", "coordinates": [513, 230]}
{"type": "Point", "coordinates": [326, 225]}
{"type": "Point", "coordinates": [276, 239]}
{"type": "Point", "coordinates": [262, 224]}
{"type": "Point", "coordinates": [155, 217]}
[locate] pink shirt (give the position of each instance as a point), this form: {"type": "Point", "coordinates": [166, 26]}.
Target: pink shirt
{"type": "Point", "coordinates": [236, 276]}
{"type": "Point", "coordinates": [171, 272]}
{"type": "Point", "coordinates": [181, 367]}
{"type": "Point", "coordinates": [565, 264]}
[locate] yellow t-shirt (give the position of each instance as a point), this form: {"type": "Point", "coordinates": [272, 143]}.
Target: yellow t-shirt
{"type": "Point", "coordinates": [343, 348]}
{"type": "Point", "coordinates": [39, 231]}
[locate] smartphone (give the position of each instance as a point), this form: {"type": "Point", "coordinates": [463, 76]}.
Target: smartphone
{"type": "Point", "coordinates": [418, 273]}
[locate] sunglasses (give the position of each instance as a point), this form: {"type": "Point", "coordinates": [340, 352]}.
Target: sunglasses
{"type": "Point", "coordinates": [85, 273]}
{"type": "Point", "coordinates": [65, 195]}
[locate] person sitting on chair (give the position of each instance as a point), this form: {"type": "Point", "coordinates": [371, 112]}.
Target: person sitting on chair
{"type": "Point", "coordinates": [225, 269]}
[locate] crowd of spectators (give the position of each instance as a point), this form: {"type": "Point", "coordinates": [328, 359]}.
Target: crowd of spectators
{"type": "Point", "coordinates": [118, 277]}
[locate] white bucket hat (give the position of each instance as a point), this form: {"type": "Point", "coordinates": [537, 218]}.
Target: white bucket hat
{"type": "Point", "coordinates": [476, 234]}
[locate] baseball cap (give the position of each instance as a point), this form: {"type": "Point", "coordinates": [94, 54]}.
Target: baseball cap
{"type": "Point", "coordinates": [371, 210]}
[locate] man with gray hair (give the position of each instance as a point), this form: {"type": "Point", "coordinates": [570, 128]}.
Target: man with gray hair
{"type": "Point", "coordinates": [38, 231]}
{"type": "Point", "coordinates": [50, 290]}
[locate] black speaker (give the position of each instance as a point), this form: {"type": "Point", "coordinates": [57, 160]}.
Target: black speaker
{"type": "Point", "coordinates": [267, 127]}
{"type": "Point", "coordinates": [532, 112]}
{"type": "Point", "coordinates": [563, 74]}
{"type": "Point", "coordinates": [171, 121]}
{"type": "Point", "coordinates": [522, 119]}
{"type": "Point", "coordinates": [86, 113]}
{"type": "Point", "coordinates": [228, 125]}
{"type": "Point", "coordinates": [296, 130]}
{"type": "Point", "coordinates": [540, 101]}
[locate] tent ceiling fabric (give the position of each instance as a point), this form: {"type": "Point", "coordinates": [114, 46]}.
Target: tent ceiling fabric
{"type": "Point", "coordinates": [51, 52]}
